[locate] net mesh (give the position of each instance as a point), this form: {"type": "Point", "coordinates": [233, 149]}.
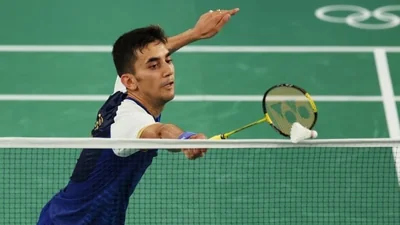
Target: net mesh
{"type": "Point", "coordinates": [235, 183]}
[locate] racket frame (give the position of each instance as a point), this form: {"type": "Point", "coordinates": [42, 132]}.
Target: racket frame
{"type": "Point", "coordinates": [305, 93]}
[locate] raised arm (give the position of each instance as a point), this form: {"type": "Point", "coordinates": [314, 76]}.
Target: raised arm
{"type": "Point", "coordinates": [207, 26]}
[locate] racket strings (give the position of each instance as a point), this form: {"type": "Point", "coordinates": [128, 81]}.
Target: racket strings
{"type": "Point", "coordinates": [287, 105]}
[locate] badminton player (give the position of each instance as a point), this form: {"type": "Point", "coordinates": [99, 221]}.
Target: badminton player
{"type": "Point", "coordinates": [103, 180]}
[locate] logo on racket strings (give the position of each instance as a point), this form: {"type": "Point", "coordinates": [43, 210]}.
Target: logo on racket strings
{"type": "Point", "coordinates": [290, 112]}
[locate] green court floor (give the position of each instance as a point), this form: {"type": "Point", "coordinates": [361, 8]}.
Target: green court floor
{"type": "Point", "coordinates": [237, 187]}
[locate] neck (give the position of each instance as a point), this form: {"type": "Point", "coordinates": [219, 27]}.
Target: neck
{"type": "Point", "coordinates": [153, 107]}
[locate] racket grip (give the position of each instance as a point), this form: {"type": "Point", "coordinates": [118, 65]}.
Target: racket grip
{"type": "Point", "coordinates": [217, 137]}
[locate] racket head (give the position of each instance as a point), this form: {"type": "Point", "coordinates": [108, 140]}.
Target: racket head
{"type": "Point", "coordinates": [284, 104]}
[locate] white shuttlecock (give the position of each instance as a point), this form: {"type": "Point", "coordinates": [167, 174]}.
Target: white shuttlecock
{"type": "Point", "coordinates": [299, 133]}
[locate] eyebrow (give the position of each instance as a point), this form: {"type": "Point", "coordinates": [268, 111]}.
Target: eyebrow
{"type": "Point", "coordinates": [152, 59]}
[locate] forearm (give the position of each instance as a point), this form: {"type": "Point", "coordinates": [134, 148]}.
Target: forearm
{"type": "Point", "coordinates": [208, 25]}
{"type": "Point", "coordinates": [169, 131]}
{"type": "Point", "coordinates": [162, 131]}
{"type": "Point", "coordinates": [155, 131]}
{"type": "Point", "coordinates": [178, 41]}
{"type": "Point", "coordinates": [165, 131]}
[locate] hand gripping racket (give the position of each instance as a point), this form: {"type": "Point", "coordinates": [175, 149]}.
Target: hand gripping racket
{"type": "Point", "coordinates": [287, 108]}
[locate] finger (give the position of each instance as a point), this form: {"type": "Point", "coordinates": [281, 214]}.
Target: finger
{"type": "Point", "coordinates": [223, 21]}
{"type": "Point", "coordinates": [194, 154]}
{"type": "Point", "coordinates": [187, 153]}
{"type": "Point", "coordinates": [197, 153]}
{"type": "Point", "coordinates": [233, 11]}
{"type": "Point", "coordinates": [189, 156]}
{"type": "Point", "coordinates": [200, 153]}
{"type": "Point", "coordinates": [221, 11]}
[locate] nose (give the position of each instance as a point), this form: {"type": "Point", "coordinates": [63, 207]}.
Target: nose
{"type": "Point", "coordinates": [168, 70]}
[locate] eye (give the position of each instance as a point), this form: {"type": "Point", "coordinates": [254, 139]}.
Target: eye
{"type": "Point", "coordinates": [168, 60]}
{"type": "Point", "coordinates": [153, 66]}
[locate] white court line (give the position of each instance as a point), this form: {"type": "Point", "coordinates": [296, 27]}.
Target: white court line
{"type": "Point", "coordinates": [201, 48]}
{"type": "Point", "coordinates": [187, 98]}
{"type": "Point", "coordinates": [389, 102]}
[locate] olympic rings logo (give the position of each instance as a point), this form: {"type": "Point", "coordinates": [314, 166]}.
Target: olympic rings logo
{"type": "Point", "coordinates": [359, 15]}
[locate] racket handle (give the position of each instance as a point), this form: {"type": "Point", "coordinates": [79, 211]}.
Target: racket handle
{"type": "Point", "coordinates": [218, 137]}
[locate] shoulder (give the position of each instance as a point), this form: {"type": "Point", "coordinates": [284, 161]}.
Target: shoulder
{"type": "Point", "coordinates": [130, 119]}
{"type": "Point", "coordinates": [129, 109]}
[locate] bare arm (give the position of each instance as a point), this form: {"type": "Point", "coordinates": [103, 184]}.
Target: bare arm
{"type": "Point", "coordinates": [208, 25]}
{"type": "Point", "coordinates": [178, 41]}
{"type": "Point", "coordinates": [171, 131]}
{"type": "Point", "coordinates": [162, 131]}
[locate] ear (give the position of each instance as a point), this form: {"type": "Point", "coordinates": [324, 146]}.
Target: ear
{"type": "Point", "coordinates": [129, 81]}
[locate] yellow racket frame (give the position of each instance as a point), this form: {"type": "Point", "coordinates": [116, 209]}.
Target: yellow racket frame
{"type": "Point", "coordinates": [267, 118]}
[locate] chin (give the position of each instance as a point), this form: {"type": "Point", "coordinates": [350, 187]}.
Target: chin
{"type": "Point", "coordinates": [168, 98]}
{"type": "Point", "coordinates": [171, 97]}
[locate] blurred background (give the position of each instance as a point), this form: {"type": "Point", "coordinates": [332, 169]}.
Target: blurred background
{"type": "Point", "coordinates": [259, 23]}
{"type": "Point", "coordinates": [67, 88]}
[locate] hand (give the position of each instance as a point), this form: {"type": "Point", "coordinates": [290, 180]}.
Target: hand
{"type": "Point", "coordinates": [195, 153]}
{"type": "Point", "coordinates": [210, 23]}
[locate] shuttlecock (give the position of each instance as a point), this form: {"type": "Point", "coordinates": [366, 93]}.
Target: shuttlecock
{"type": "Point", "coordinates": [299, 133]}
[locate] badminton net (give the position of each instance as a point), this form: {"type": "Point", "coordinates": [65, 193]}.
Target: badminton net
{"type": "Point", "coordinates": [238, 181]}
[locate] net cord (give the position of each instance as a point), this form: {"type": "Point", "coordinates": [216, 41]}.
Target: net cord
{"type": "Point", "coordinates": [103, 143]}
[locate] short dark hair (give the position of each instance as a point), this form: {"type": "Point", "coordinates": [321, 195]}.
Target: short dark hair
{"type": "Point", "coordinates": [124, 49]}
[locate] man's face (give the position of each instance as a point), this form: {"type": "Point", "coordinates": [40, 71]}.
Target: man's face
{"type": "Point", "coordinates": [154, 72]}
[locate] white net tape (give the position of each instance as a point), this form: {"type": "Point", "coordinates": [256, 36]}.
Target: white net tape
{"type": "Point", "coordinates": [23, 142]}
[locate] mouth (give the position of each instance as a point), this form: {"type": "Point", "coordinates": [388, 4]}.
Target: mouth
{"type": "Point", "coordinates": [169, 84]}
